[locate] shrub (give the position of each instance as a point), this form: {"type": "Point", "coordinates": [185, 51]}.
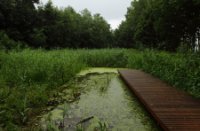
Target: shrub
{"type": "Point", "coordinates": [7, 44]}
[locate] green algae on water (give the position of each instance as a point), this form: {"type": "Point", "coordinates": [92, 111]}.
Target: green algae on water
{"type": "Point", "coordinates": [98, 70]}
{"type": "Point", "coordinates": [107, 101]}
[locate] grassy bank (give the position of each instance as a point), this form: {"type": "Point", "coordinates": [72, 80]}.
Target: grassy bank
{"type": "Point", "coordinates": [179, 70]}
{"type": "Point", "coordinates": [30, 77]}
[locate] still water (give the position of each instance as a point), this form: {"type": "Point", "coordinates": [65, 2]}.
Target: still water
{"type": "Point", "coordinates": [103, 102]}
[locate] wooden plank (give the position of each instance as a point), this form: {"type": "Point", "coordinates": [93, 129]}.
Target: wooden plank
{"type": "Point", "coordinates": [173, 109]}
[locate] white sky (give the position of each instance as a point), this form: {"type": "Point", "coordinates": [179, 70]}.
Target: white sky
{"type": "Point", "coordinates": [112, 10]}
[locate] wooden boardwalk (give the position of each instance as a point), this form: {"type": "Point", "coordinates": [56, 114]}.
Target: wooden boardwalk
{"type": "Point", "coordinates": [172, 109]}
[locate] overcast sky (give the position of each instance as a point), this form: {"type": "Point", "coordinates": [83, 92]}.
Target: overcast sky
{"type": "Point", "coordinates": [112, 10]}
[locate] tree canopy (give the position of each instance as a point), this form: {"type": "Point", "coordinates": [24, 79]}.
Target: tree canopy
{"type": "Point", "coordinates": [48, 27]}
{"type": "Point", "coordinates": [162, 24]}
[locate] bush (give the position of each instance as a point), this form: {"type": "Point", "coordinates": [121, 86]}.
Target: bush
{"type": "Point", "coordinates": [7, 44]}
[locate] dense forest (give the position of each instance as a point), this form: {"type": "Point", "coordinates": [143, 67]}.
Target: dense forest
{"type": "Point", "coordinates": [160, 24]}
{"type": "Point", "coordinates": [46, 26]}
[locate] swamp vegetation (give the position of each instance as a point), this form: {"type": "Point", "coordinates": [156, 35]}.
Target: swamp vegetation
{"type": "Point", "coordinates": [29, 79]}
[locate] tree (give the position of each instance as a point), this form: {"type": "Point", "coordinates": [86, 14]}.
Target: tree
{"type": "Point", "coordinates": [161, 24]}
{"type": "Point", "coordinates": [53, 27]}
{"type": "Point", "coordinates": [17, 18]}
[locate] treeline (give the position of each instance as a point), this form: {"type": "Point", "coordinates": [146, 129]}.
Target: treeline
{"type": "Point", "coordinates": [28, 23]}
{"type": "Point", "coordinates": [161, 24]}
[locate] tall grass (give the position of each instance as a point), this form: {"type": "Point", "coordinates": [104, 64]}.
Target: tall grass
{"type": "Point", "coordinates": [104, 57]}
{"type": "Point", "coordinates": [179, 70]}
{"type": "Point", "coordinates": [28, 78]}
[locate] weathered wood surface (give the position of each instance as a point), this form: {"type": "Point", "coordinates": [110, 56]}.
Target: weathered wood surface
{"type": "Point", "coordinates": [174, 110]}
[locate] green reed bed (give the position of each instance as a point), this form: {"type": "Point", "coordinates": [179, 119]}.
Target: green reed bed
{"type": "Point", "coordinates": [28, 78]}
{"type": "Point", "coordinates": [179, 70]}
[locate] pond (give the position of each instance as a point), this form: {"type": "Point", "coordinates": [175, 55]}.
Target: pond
{"type": "Point", "coordinates": [100, 102]}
